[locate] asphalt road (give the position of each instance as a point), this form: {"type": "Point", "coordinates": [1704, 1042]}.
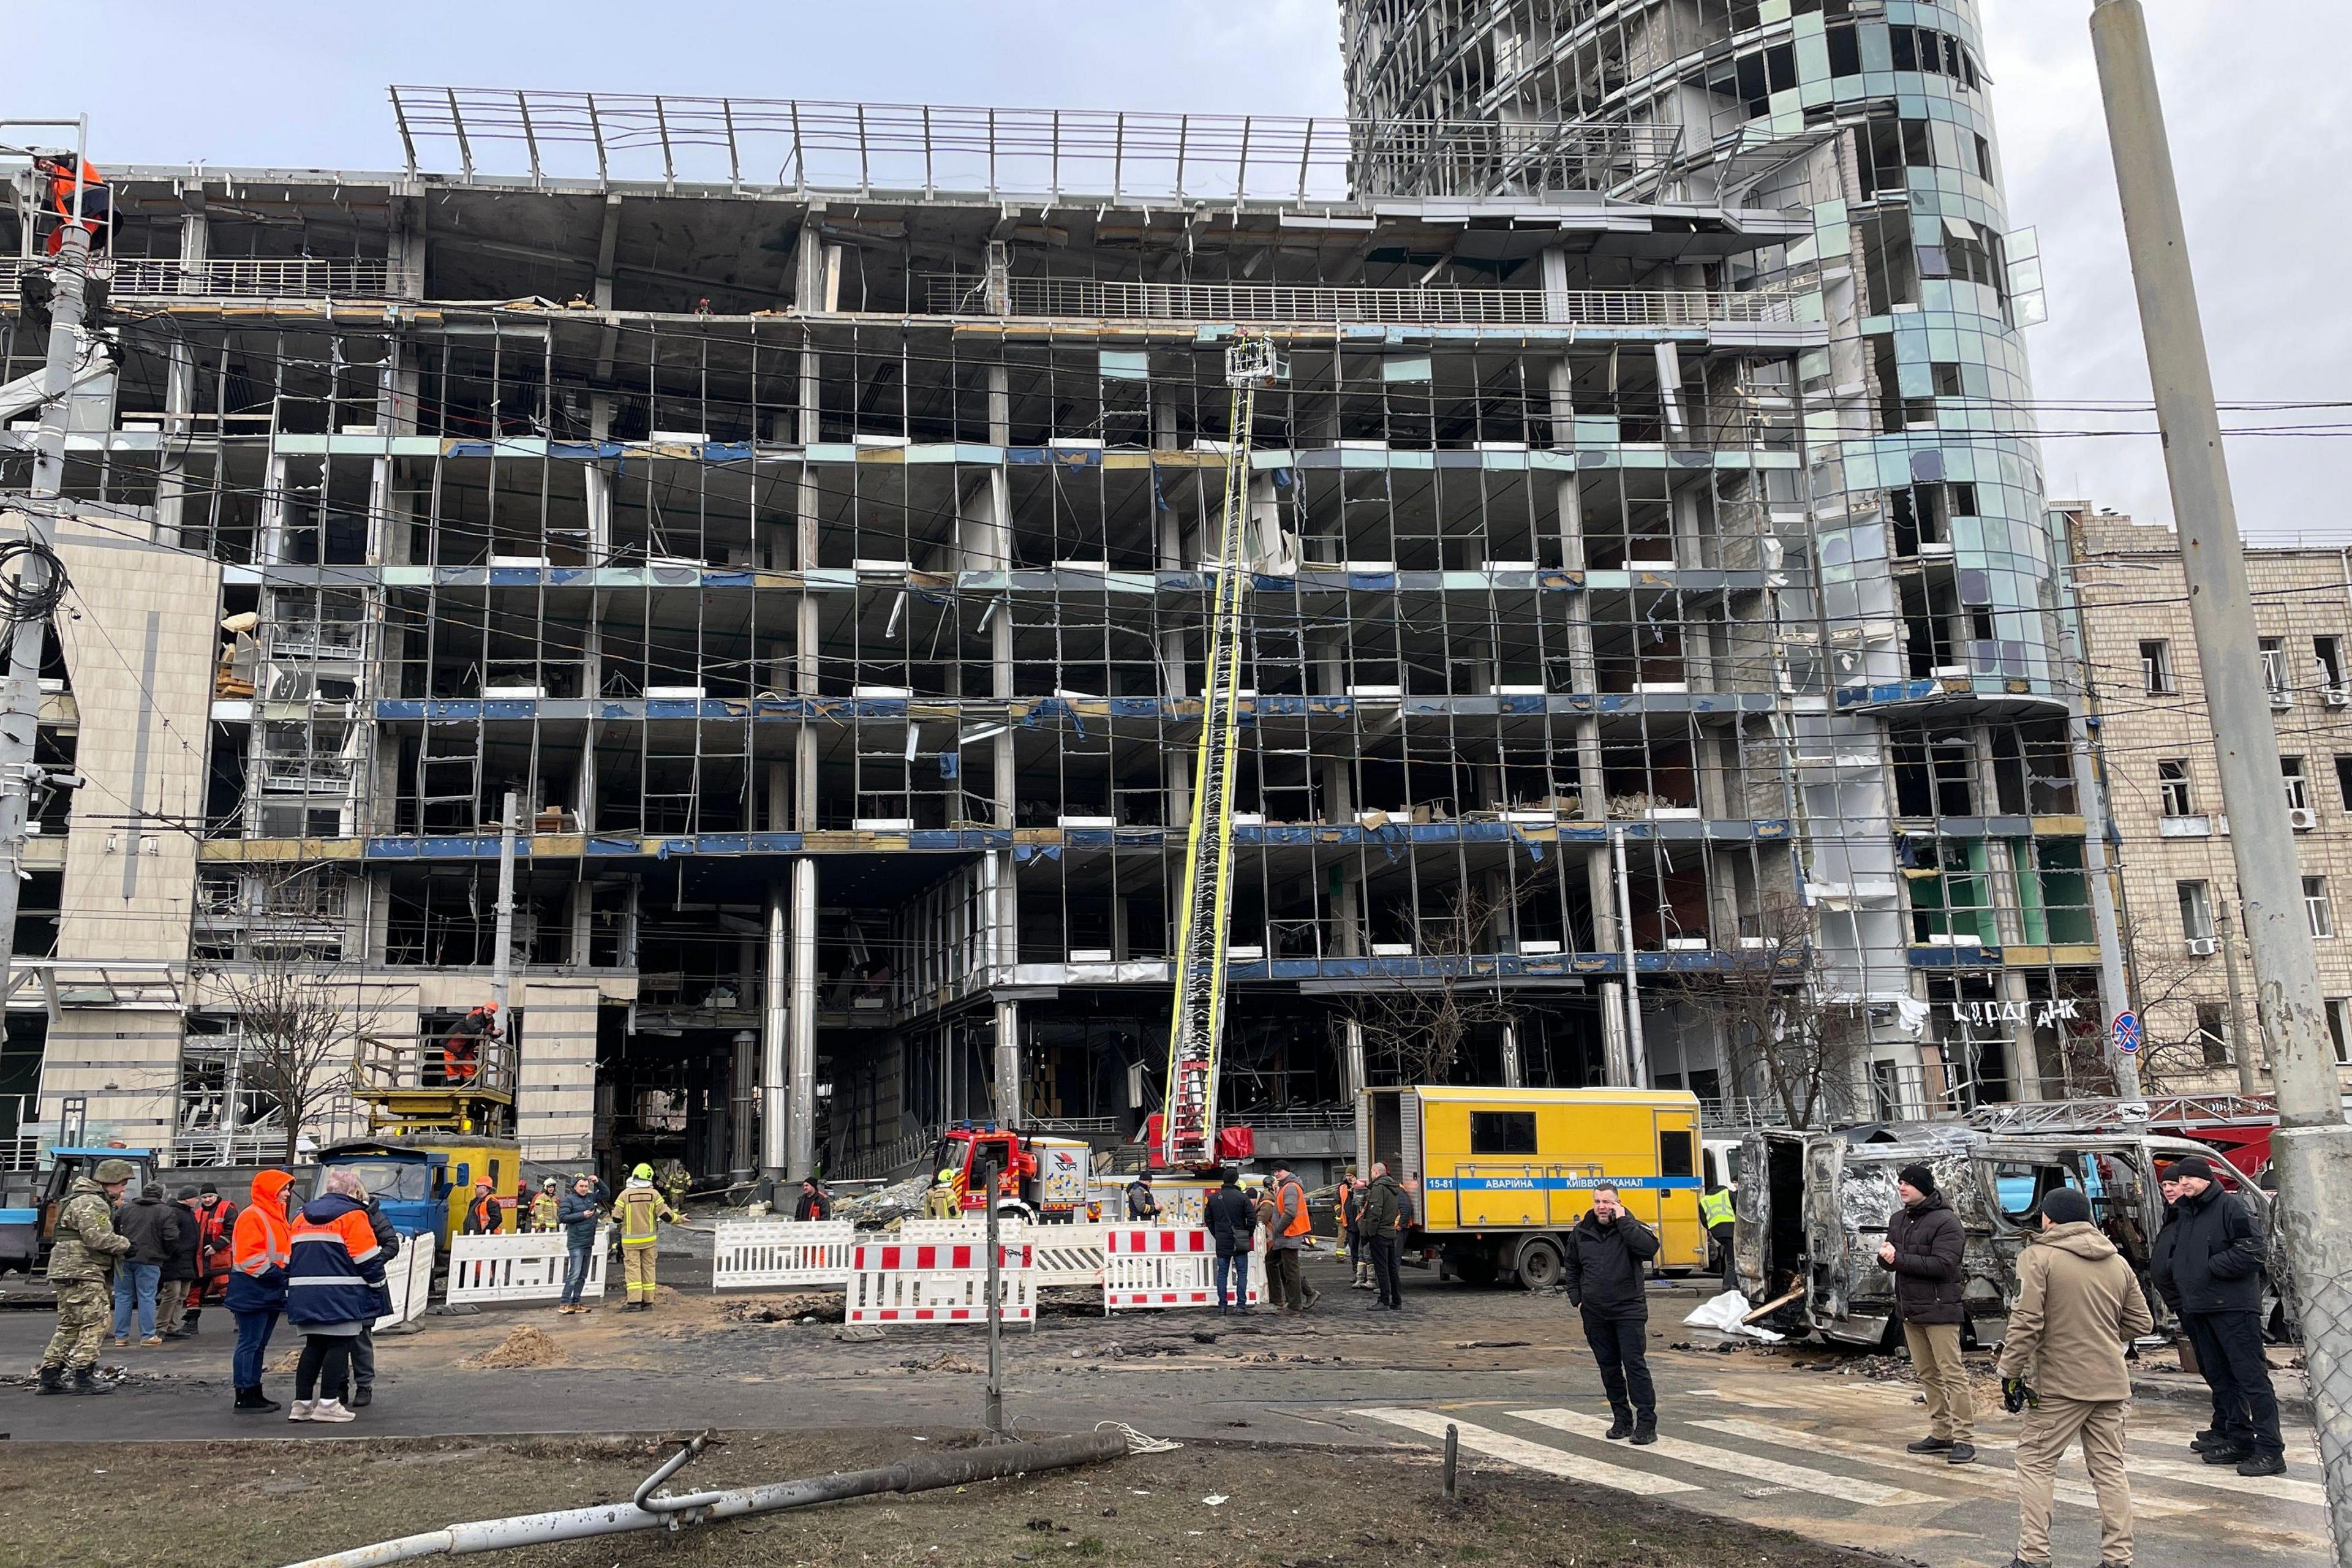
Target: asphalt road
{"type": "Point", "coordinates": [1805, 1441]}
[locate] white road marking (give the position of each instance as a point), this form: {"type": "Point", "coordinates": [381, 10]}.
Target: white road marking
{"type": "Point", "coordinates": [2282, 1489]}
{"type": "Point", "coordinates": [1849, 1489]}
{"type": "Point", "coordinates": [1983, 1478]}
{"type": "Point", "coordinates": [1537, 1456]}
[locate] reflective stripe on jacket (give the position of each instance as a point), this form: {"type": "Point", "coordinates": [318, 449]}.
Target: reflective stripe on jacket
{"type": "Point", "coordinates": [1715, 1208]}
{"type": "Point", "coordinates": [639, 1206]}
{"type": "Point", "coordinates": [336, 1274]}
{"type": "Point", "coordinates": [260, 1246]}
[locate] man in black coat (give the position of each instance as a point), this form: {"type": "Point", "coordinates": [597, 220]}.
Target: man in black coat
{"type": "Point", "coordinates": [2214, 1267]}
{"type": "Point", "coordinates": [1925, 1244]}
{"type": "Point", "coordinates": [180, 1270]}
{"type": "Point", "coordinates": [815, 1204]}
{"type": "Point", "coordinates": [152, 1227]}
{"type": "Point", "coordinates": [1606, 1250]}
{"type": "Point", "coordinates": [1232, 1223]}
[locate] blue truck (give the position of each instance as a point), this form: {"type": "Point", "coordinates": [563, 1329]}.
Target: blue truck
{"type": "Point", "coordinates": [30, 1200]}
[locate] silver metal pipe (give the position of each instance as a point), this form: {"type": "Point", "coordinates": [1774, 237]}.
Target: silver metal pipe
{"type": "Point", "coordinates": [925, 1473]}
{"type": "Point", "coordinates": [802, 1161]}
{"type": "Point", "coordinates": [775, 1041]}
{"type": "Point", "coordinates": [1637, 1054]}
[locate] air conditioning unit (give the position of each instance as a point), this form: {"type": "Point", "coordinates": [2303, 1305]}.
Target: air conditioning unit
{"type": "Point", "coordinates": [2301, 818]}
{"type": "Point", "coordinates": [2335, 695]}
{"type": "Point", "coordinates": [2280, 699]}
{"type": "Point", "coordinates": [2203, 946]}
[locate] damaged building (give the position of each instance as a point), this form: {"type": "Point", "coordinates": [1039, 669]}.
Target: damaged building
{"type": "Point", "coordinates": [808, 512]}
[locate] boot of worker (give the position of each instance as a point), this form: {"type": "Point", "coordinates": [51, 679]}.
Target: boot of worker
{"type": "Point", "coordinates": [253, 1402]}
{"type": "Point", "coordinates": [1621, 1425]}
{"type": "Point", "coordinates": [53, 1380]}
{"type": "Point", "coordinates": [188, 1323]}
{"type": "Point", "coordinates": [85, 1381]}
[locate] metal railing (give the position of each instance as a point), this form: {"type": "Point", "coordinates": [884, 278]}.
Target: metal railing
{"type": "Point", "coordinates": [870, 1163]}
{"type": "Point", "coordinates": [1057, 154]}
{"type": "Point", "coordinates": [234, 277]}
{"type": "Point", "coordinates": [965, 295]}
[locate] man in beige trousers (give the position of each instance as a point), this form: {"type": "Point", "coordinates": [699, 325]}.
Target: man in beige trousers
{"type": "Point", "coordinates": [2078, 1306]}
{"type": "Point", "coordinates": [1925, 1250]}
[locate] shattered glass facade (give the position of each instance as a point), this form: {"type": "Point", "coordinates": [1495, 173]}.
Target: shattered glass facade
{"type": "Point", "coordinates": [1942, 823]}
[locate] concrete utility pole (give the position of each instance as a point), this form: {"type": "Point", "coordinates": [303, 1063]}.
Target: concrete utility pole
{"type": "Point", "coordinates": [20, 695]}
{"type": "Point", "coordinates": [2245, 1049]}
{"type": "Point", "coordinates": [2313, 1147]}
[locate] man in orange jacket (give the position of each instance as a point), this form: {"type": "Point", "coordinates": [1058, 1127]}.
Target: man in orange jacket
{"type": "Point", "coordinates": [96, 204]}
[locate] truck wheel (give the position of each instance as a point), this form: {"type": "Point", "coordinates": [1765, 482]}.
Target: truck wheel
{"type": "Point", "coordinates": [1538, 1265]}
{"type": "Point", "coordinates": [1475, 1267]}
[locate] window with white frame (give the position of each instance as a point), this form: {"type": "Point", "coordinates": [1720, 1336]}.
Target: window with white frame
{"type": "Point", "coordinates": [2328, 653]}
{"type": "Point", "coordinates": [2155, 667]}
{"type": "Point", "coordinates": [2274, 663]}
{"type": "Point", "coordinates": [2196, 910]}
{"type": "Point", "coordinates": [2339, 1029]}
{"type": "Point", "coordinates": [2298, 792]}
{"type": "Point", "coordinates": [2317, 907]}
{"type": "Point", "coordinates": [2212, 1033]}
{"type": "Point", "coordinates": [2172, 782]}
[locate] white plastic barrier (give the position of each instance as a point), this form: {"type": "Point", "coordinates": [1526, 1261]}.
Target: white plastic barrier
{"type": "Point", "coordinates": [1156, 1267]}
{"type": "Point", "coordinates": [517, 1268]}
{"type": "Point", "coordinates": [938, 1282]}
{"type": "Point", "coordinates": [781, 1252]}
{"type": "Point", "coordinates": [408, 1279]}
{"type": "Point", "coordinates": [971, 1231]}
{"type": "Point", "coordinates": [1067, 1256]}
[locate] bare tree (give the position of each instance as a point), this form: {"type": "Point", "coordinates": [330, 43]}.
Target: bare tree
{"type": "Point", "coordinates": [1783, 1034]}
{"type": "Point", "coordinates": [1416, 1029]}
{"type": "Point", "coordinates": [2167, 986]}
{"type": "Point", "coordinates": [303, 1022]}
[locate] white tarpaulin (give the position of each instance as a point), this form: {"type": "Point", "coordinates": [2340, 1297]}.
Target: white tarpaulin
{"type": "Point", "coordinates": [1723, 1314]}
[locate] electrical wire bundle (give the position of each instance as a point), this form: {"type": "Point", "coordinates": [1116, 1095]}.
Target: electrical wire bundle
{"type": "Point", "coordinates": [23, 603]}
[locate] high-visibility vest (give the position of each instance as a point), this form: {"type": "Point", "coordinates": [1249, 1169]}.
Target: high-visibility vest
{"type": "Point", "coordinates": [1300, 1225]}
{"type": "Point", "coordinates": [1715, 1208]}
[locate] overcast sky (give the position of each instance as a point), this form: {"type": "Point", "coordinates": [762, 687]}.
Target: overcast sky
{"type": "Point", "coordinates": [2261, 151]}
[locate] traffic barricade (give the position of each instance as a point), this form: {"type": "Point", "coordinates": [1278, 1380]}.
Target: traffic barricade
{"type": "Point", "coordinates": [938, 1282]}
{"type": "Point", "coordinates": [771, 1252]}
{"type": "Point", "coordinates": [408, 1281]}
{"type": "Point", "coordinates": [1068, 1256]}
{"type": "Point", "coordinates": [1158, 1267]}
{"type": "Point", "coordinates": [517, 1268]}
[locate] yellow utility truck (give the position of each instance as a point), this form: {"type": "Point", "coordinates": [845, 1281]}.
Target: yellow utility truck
{"type": "Point", "coordinates": [1503, 1173]}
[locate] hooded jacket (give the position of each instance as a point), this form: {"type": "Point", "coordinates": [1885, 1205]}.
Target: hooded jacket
{"type": "Point", "coordinates": [151, 1226]}
{"type": "Point", "coordinates": [2078, 1306]}
{"type": "Point", "coordinates": [1382, 1211]}
{"type": "Point", "coordinates": [260, 1248]}
{"type": "Point", "coordinates": [1928, 1246]}
{"type": "Point", "coordinates": [2215, 1264]}
{"type": "Point", "coordinates": [337, 1272]}
{"type": "Point", "coordinates": [1604, 1266]}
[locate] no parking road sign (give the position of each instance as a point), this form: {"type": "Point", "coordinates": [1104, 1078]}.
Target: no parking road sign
{"type": "Point", "coordinates": [2127, 1030]}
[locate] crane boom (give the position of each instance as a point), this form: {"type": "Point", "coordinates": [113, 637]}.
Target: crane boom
{"type": "Point", "coordinates": [1188, 1122]}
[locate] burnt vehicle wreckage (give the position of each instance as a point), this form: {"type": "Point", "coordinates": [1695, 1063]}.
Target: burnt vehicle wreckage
{"type": "Point", "coordinates": [1813, 1207]}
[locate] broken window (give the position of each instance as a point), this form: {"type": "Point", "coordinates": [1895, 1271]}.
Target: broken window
{"type": "Point", "coordinates": [2196, 910]}
{"type": "Point", "coordinates": [2328, 653]}
{"type": "Point", "coordinates": [2212, 1035]}
{"type": "Point", "coordinates": [2155, 667]}
{"type": "Point", "coordinates": [2298, 797]}
{"type": "Point", "coordinates": [2317, 909]}
{"type": "Point", "coordinates": [2273, 651]}
{"type": "Point", "coordinates": [2172, 783]}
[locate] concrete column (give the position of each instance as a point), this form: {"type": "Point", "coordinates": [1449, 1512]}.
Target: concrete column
{"type": "Point", "coordinates": [801, 1156]}
{"type": "Point", "coordinates": [775, 1054]}
{"type": "Point", "coordinates": [1008, 1064]}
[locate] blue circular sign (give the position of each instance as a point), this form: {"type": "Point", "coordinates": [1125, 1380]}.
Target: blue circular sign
{"type": "Point", "coordinates": [2127, 1030]}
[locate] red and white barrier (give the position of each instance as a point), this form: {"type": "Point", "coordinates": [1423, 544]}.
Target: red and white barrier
{"type": "Point", "coordinates": [938, 1282]}
{"type": "Point", "coordinates": [1147, 1268]}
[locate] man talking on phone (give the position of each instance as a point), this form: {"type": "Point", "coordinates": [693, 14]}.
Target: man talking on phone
{"type": "Point", "coordinates": [1606, 1250]}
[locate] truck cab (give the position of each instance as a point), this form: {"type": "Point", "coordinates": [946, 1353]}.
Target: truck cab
{"type": "Point", "coordinates": [413, 1184]}
{"type": "Point", "coordinates": [1037, 1177]}
{"type": "Point", "coordinates": [30, 1200]}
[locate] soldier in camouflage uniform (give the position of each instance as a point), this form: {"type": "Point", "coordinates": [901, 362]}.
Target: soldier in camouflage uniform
{"type": "Point", "coordinates": [82, 1267]}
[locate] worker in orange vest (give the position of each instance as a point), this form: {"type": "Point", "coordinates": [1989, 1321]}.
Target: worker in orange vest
{"type": "Point", "coordinates": [96, 204]}
{"type": "Point", "coordinates": [461, 1051]}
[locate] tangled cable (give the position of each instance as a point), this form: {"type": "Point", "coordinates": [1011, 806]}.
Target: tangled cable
{"type": "Point", "coordinates": [22, 603]}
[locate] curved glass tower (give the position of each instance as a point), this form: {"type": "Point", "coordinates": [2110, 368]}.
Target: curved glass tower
{"type": "Point", "coordinates": [1943, 841]}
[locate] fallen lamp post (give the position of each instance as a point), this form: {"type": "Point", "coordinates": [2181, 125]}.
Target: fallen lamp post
{"type": "Point", "coordinates": [646, 1511]}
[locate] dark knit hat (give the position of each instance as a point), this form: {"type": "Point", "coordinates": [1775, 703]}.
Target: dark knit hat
{"type": "Point", "coordinates": [2065, 1207]}
{"type": "Point", "coordinates": [1918, 1176]}
{"type": "Point", "coordinates": [2193, 1165]}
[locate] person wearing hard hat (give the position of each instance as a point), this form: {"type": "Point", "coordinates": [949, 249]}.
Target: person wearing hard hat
{"type": "Point", "coordinates": [482, 1211]}
{"type": "Point", "coordinates": [461, 1049]}
{"type": "Point", "coordinates": [82, 1270]}
{"type": "Point", "coordinates": [945, 1200]}
{"type": "Point", "coordinates": [543, 1208]}
{"type": "Point", "coordinates": [640, 1208]}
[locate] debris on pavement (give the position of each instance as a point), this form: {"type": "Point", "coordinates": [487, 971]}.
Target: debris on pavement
{"type": "Point", "coordinates": [524, 1347]}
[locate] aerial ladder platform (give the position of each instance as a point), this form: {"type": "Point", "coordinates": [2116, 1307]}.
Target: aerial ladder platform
{"type": "Point", "coordinates": [1187, 1134]}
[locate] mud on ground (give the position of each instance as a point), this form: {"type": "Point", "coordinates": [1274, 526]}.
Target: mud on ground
{"type": "Point", "coordinates": [228, 1505]}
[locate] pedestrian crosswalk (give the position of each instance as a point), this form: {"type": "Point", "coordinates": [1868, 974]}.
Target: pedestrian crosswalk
{"type": "Point", "coordinates": [1754, 1451]}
